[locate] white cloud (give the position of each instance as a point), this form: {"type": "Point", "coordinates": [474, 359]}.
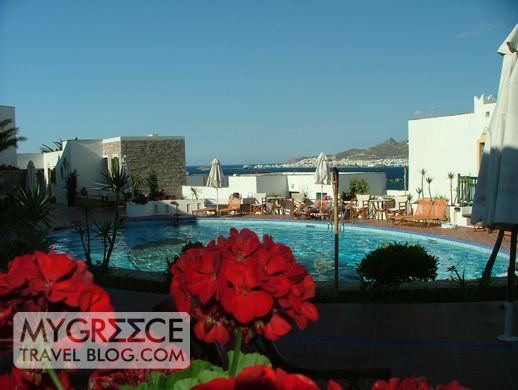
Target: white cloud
{"type": "Point", "coordinates": [424, 113]}
{"type": "Point", "coordinates": [481, 28]}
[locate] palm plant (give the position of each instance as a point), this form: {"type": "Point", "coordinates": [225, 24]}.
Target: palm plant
{"type": "Point", "coordinates": [195, 193]}
{"type": "Point", "coordinates": [423, 172]}
{"type": "Point", "coordinates": [451, 176]}
{"type": "Point", "coordinates": [429, 181]}
{"type": "Point", "coordinates": [9, 135]}
{"type": "Point", "coordinates": [137, 182]}
{"type": "Point", "coordinates": [418, 191]}
{"type": "Point", "coordinates": [152, 182]}
{"type": "Point", "coordinates": [58, 145]}
{"type": "Point", "coordinates": [117, 181]}
{"type": "Point", "coordinates": [84, 229]}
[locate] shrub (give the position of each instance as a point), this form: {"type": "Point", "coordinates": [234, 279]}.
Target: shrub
{"type": "Point", "coordinates": [390, 265]}
{"type": "Point", "coordinates": [358, 186]}
{"type": "Point", "coordinates": [152, 182]}
{"type": "Point", "coordinates": [71, 186]}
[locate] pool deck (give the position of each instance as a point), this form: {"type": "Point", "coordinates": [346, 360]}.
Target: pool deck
{"type": "Point", "coordinates": [440, 341]}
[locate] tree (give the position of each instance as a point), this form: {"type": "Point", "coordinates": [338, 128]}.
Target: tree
{"type": "Point", "coordinates": [423, 172]}
{"type": "Point", "coordinates": [152, 182]}
{"type": "Point", "coordinates": [71, 186]}
{"type": "Point", "coordinates": [117, 181]}
{"type": "Point", "coordinates": [8, 135]}
{"type": "Point", "coordinates": [429, 181]}
{"type": "Point", "coordinates": [451, 175]}
{"type": "Point", "coordinates": [58, 145]}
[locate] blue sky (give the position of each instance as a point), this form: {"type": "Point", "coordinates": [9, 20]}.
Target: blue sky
{"type": "Point", "coordinates": [245, 81]}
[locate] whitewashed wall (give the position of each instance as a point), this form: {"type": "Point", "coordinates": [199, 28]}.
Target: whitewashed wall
{"type": "Point", "coordinates": [37, 159]}
{"type": "Point", "coordinates": [85, 157]}
{"type": "Point", "coordinates": [284, 183]}
{"type": "Point", "coordinates": [446, 144]}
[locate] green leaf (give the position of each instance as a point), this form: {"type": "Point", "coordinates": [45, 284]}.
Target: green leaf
{"type": "Point", "coordinates": [249, 359]}
{"type": "Point", "coordinates": [198, 370]}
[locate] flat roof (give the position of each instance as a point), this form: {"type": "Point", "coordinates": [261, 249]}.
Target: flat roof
{"type": "Point", "coordinates": [440, 116]}
{"type": "Point", "coordinates": [143, 138]}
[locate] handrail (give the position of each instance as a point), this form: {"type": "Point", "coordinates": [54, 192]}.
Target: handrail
{"type": "Point", "coordinates": [466, 189]}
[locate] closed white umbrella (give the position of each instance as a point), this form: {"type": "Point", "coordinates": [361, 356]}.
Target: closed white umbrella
{"type": "Point", "coordinates": [126, 169]}
{"type": "Point", "coordinates": [216, 179]}
{"type": "Point", "coordinates": [31, 181]}
{"type": "Point", "coordinates": [496, 194]}
{"type": "Point", "coordinates": [322, 173]}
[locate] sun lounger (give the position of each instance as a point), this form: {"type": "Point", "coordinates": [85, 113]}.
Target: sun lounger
{"type": "Point", "coordinates": [233, 207]}
{"type": "Point", "coordinates": [438, 212]}
{"type": "Point", "coordinates": [421, 213]}
{"type": "Point", "coordinates": [206, 211]}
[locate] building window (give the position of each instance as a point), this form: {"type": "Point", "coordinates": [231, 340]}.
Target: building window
{"type": "Point", "coordinates": [487, 114]}
{"type": "Point", "coordinates": [115, 163]}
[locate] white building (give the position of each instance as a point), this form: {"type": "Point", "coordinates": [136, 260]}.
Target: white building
{"type": "Point", "coordinates": [451, 143]}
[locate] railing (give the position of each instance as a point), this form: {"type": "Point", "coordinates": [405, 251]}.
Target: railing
{"type": "Point", "coordinates": [466, 189]}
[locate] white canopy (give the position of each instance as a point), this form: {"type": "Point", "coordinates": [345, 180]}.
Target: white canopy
{"type": "Point", "coordinates": [496, 195]}
{"type": "Point", "coordinates": [216, 178]}
{"type": "Point", "coordinates": [125, 168]}
{"type": "Point", "coordinates": [31, 181]}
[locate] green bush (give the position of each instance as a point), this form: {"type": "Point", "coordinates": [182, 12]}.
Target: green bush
{"type": "Point", "coordinates": [390, 265]}
{"type": "Point", "coordinates": [358, 186]}
{"type": "Point", "coordinates": [71, 186]}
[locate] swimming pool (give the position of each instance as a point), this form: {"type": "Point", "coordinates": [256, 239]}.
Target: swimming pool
{"type": "Point", "coordinates": [146, 245]}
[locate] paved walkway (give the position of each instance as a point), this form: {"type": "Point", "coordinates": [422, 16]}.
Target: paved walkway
{"type": "Point", "coordinates": [441, 342]}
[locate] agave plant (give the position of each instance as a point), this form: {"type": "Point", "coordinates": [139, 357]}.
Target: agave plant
{"type": "Point", "coordinates": [117, 181]}
{"type": "Point", "coordinates": [24, 224]}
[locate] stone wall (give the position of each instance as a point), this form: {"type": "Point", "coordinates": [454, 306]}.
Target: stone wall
{"type": "Point", "coordinates": [165, 156]}
{"type": "Point", "coordinates": [111, 149]}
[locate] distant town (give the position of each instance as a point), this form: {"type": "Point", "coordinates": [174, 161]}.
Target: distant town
{"type": "Point", "coordinates": [310, 162]}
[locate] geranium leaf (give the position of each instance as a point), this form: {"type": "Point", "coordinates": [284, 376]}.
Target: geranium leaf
{"type": "Point", "coordinates": [197, 369]}
{"type": "Point", "coordinates": [249, 359]}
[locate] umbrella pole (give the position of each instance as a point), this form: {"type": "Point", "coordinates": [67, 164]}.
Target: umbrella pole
{"type": "Point", "coordinates": [335, 220]}
{"type": "Point", "coordinates": [217, 200]}
{"type": "Point", "coordinates": [511, 270]}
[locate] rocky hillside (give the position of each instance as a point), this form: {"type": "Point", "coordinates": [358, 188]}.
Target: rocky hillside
{"type": "Point", "coordinates": [390, 149]}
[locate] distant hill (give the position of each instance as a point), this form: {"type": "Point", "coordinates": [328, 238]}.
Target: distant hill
{"type": "Point", "coordinates": [388, 149]}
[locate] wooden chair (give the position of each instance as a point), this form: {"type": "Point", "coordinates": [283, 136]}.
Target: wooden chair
{"type": "Point", "coordinates": [362, 206]}
{"type": "Point", "coordinates": [400, 207]}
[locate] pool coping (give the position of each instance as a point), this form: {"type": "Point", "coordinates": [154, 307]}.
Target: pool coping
{"type": "Point", "coordinates": [313, 222]}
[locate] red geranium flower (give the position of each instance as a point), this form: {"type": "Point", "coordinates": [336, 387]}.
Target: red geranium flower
{"type": "Point", "coordinates": [277, 326]}
{"type": "Point", "coordinates": [412, 383]}
{"type": "Point", "coordinates": [242, 298]}
{"type": "Point", "coordinates": [48, 282]}
{"type": "Point", "coordinates": [249, 284]}
{"type": "Point", "coordinates": [264, 377]}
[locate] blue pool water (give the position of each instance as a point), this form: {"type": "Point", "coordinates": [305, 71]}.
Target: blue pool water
{"type": "Point", "coordinates": [145, 245]}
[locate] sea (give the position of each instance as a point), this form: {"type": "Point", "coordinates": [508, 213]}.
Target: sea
{"type": "Point", "coordinates": [395, 175]}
